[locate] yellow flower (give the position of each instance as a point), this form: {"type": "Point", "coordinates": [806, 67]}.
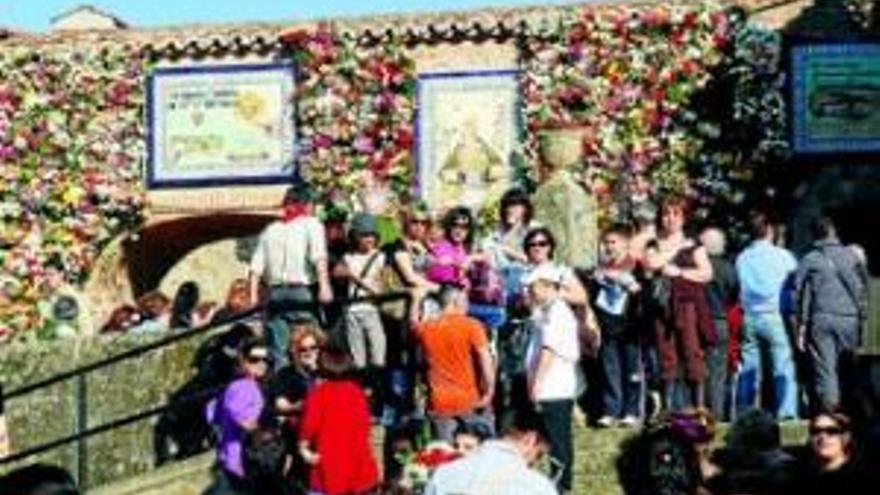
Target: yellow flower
{"type": "Point", "coordinates": [73, 195]}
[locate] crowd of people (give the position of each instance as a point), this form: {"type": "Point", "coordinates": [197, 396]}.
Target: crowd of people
{"type": "Point", "coordinates": [496, 335]}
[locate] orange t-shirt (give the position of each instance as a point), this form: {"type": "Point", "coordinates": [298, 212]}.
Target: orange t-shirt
{"type": "Point", "coordinates": [451, 344]}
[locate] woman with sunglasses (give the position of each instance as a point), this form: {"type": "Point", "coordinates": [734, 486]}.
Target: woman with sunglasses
{"type": "Point", "coordinates": [539, 246]}
{"type": "Point", "coordinates": [450, 257]}
{"type": "Point", "coordinates": [455, 261]}
{"type": "Point", "coordinates": [237, 412]}
{"type": "Point", "coordinates": [505, 244]}
{"type": "Point", "coordinates": [831, 467]}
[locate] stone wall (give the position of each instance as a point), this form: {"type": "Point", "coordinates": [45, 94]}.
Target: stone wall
{"type": "Point", "coordinates": [112, 393]}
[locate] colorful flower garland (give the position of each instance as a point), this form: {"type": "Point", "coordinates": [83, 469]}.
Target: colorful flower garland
{"type": "Point", "coordinates": [355, 116]}
{"type": "Point", "coordinates": [71, 142]}
{"type": "Point", "coordinates": [624, 75]}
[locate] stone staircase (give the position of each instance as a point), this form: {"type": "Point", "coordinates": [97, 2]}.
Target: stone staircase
{"type": "Point", "coordinates": [189, 477]}
{"type": "Point", "coordinates": [594, 472]}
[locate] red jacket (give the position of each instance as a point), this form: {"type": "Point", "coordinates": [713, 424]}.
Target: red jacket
{"type": "Point", "coordinates": [336, 423]}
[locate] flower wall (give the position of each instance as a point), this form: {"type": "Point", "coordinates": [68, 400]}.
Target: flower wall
{"type": "Point", "coordinates": [669, 97]}
{"type": "Point", "coordinates": [355, 107]}
{"type": "Point", "coordinates": [673, 99]}
{"type": "Point", "coordinates": [625, 75]}
{"type": "Point", "coordinates": [71, 142]}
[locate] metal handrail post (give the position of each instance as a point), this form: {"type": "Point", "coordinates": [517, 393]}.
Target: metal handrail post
{"type": "Point", "coordinates": [81, 458]}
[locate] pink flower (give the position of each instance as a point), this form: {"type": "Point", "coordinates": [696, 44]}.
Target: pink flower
{"type": "Point", "coordinates": [322, 141]}
{"type": "Point", "coordinates": [364, 144]}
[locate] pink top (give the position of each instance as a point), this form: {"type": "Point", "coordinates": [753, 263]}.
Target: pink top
{"type": "Point", "coordinates": [446, 265]}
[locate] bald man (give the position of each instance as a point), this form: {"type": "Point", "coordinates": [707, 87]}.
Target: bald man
{"type": "Point", "coordinates": [722, 293]}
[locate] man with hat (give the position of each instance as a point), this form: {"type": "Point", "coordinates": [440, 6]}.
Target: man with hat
{"type": "Point", "coordinates": [291, 260]}
{"type": "Point", "coordinates": [551, 363]}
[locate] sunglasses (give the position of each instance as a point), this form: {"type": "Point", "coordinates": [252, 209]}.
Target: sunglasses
{"type": "Point", "coordinates": [256, 359]}
{"type": "Point", "coordinates": [832, 431]}
{"type": "Point", "coordinates": [306, 349]}
{"type": "Point", "coordinates": [461, 225]}
{"type": "Point", "coordinates": [538, 244]}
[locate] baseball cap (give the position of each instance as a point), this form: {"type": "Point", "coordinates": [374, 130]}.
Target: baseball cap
{"type": "Point", "coordinates": [363, 224]}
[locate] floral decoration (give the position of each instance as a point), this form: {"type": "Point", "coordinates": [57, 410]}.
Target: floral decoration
{"type": "Point", "coordinates": [627, 76]}
{"type": "Point", "coordinates": [742, 125]}
{"type": "Point", "coordinates": [355, 116]}
{"type": "Point", "coordinates": [418, 466]}
{"type": "Point", "coordinates": [71, 142]}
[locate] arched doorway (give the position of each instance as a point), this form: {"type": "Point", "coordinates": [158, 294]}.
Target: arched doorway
{"type": "Point", "coordinates": [132, 266]}
{"type": "Point", "coordinates": [160, 246]}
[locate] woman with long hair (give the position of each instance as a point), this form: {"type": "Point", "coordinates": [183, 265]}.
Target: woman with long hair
{"type": "Point", "coordinates": [683, 324]}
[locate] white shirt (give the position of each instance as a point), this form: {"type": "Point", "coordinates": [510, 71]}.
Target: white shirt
{"type": "Point", "coordinates": [496, 468]}
{"type": "Point", "coordinates": [288, 251]}
{"type": "Point", "coordinates": [554, 327]}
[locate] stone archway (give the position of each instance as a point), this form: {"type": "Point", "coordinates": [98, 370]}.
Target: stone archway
{"type": "Point", "coordinates": [132, 266]}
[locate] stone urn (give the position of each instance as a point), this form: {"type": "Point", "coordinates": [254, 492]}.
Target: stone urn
{"type": "Point", "coordinates": [561, 149]}
{"type": "Point", "coordinates": [562, 204]}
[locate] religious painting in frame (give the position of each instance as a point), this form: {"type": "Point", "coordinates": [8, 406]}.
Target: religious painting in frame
{"type": "Point", "coordinates": [835, 97]}
{"type": "Point", "coordinates": [220, 125]}
{"type": "Point", "coordinates": [467, 129]}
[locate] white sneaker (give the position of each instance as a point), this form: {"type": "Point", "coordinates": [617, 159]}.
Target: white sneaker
{"type": "Point", "coordinates": [606, 422]}
{"type": "Point", "coordinates": [630, 422]}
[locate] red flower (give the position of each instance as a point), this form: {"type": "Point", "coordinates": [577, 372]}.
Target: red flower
{"type": "Point", "coordinates": [404, 139]}
{"type": "Point", "coordinates": [297, 37]}
{"type": "Point", "coordinates": [436, 457]}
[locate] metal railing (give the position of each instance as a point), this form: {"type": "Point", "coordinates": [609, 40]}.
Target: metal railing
{"type": "Point", "coordinates": [83, 432]}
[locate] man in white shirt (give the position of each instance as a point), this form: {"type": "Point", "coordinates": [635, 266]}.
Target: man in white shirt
{"type": "Point", "coordinates": [551, 364]}
{"type": "Point", "coordinates": [289, 260]}
{"type": "Point", "coordinates": [500, 467]}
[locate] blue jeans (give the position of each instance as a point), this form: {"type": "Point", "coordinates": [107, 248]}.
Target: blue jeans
{"type": "Point", "coordinates": [717, 381]}
{"type": "Point", "coordinates": [621, 359]}
{"type": "Point", "coordinates": [767, 330]}
{"type": "Point", "coordinates": [286, 305]}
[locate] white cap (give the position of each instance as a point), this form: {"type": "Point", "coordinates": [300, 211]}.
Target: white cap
{"type": "Point", "coordinates": [546, 272]}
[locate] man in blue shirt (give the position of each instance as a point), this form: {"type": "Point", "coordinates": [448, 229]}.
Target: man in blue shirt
{"type": "Point", "coordinates": [763, 270]}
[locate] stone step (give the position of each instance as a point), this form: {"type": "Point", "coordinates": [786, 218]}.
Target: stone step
{"type": "Point", "coordinates": [596, 452]}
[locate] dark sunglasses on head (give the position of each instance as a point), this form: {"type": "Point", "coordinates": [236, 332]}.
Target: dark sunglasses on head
{"type": "Point", "coordinates": [538, 244]}
{"type": "Point", "coordinates": [827, 430]}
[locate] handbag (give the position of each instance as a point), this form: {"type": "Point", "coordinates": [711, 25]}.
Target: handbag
{"type": "Point", "coordinates": [661, 293]}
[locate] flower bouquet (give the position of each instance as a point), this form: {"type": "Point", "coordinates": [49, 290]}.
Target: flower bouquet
{"type": "Point", "coordinates": [419, 466]}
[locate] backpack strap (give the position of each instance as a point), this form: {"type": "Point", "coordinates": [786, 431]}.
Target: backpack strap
{"type": "Point", "coordinates": [360, 285]}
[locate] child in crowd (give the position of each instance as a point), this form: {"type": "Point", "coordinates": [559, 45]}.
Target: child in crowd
{"type": "Point", "coordinates": [366, 336]}
{"type": "Point", "coordinates": [335, 431]}
{"type": "Point", "coordinates": [620, 354]}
